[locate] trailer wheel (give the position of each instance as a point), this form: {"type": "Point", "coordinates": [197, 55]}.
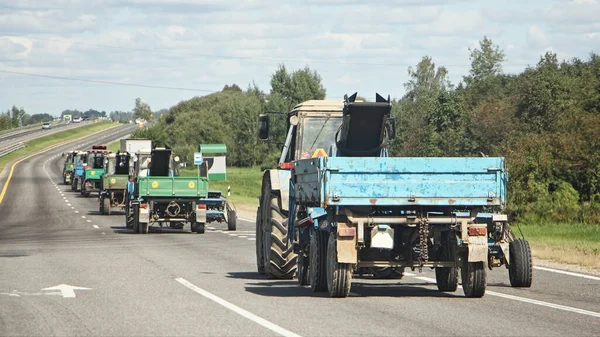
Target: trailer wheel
{"type": "Point", "coordinates": [318, 260]}
{"type": "Point", "coordinates": [200, 228]}
{"type": "Point", "coordinates": [447, 277]}
{"type": "Point", "coordinates": [303, 270]}
{"type": "Point", "coordinates": [74, 185]}
{"type": "Point", "coordinates": [136, 218]}
{"type": "Point", "coordinates": [339, 275]}
{"type": "Point", "coordinates": [520, 270]}
{"type": "Point", "coordinates": [260, 260]}
{"type": "Point", "coordinates": [473, 277]}
{"type": "Point", "coordinates": [279, 256]}
{"type": "Point", "coordinates": [231, 220]}
{"type": "Point", "coordinates": [143, 227]}
{"type": "Point", "coordinates": [106, 205]}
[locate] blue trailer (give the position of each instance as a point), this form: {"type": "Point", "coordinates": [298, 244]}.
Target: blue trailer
{"type": "Point", "coordinates": [358, 208]}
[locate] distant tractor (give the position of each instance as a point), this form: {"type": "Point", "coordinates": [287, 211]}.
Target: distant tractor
{"type": "Point", "coordinates": [93, 170]}
{"type": "Point", "coordinates": [68, 166]}
{"type": "Point", "coordinates": [214, 168]}
{"type": "Point", "coordinates": [113, 184]}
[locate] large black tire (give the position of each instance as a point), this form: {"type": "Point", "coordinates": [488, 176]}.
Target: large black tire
{"type": "Point", "coordinates": [473, 277]}
{"type": "Point", "coordinates": [520, 269]}
{"type": "Point", "coordinates": [73, 185]}
{"type": "Point", "coordinates": [200, 228]}
{"type": "Point", "coordinates": [105, 202]}
{"type": "Point", "coordinates": [64, 179]}
{"type": "Point", "coordinates": [231, 220]}
{"type": "Point", "coordinates": [279, 256]}
{"type": "Point", "coordinates": [318, 260]}
{"type": "Point", "coordinates": [136, 218]}
{"type": "Point", "coordinates": [339, 275]}
{"type": "Point", "coordinates": [447, 277]}
{"type": "Point", "coordinates": [260, 260]}
{"type": "Point", "coordinates": [143, 226]}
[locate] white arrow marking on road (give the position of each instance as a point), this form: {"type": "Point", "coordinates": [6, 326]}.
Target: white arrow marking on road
{"type": "Point", "coordinates": [67, 290]}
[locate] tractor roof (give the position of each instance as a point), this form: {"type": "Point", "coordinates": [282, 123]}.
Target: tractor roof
{"type": "Point", "coordinates": [320, 105]}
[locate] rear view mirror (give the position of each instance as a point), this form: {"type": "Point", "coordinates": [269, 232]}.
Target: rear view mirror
{"type": "Point", "coordinates": [263, 127]}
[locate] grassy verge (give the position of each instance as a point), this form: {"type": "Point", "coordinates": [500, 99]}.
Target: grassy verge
{"type": "Point", "coordinates": [46, 141]}
{"type": "Point", "coordinates": [245, 186]}
{"type": "Point", "coordinates": [114, 146]}
{"type": "Point", "coordinates": [564, 242]}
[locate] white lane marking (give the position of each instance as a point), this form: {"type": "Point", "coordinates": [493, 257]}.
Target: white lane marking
{"type": "Point", "coordinates": [88, 220]}
{"type": "Point", "coordinates": [76, 211]}
{"type": "Point", "coordinates": [68, 204]}
{"type": "Point", "coordinates": [252, 239]}
{"type": "Point", "coordinates": [231, 234]}
{"type": "Point", "coordinates": [253, 232]}
{"type": "Point", "coordinates": [245, 219]}
{"type": "Point", "coordinates": [567, 273]}
{"type": "Point", "coordinates": [211, 228]}
{"type": "Point", "coordinates": [72, 207]}
{"type": "Point", "coordinates": [259, 320]}
{"type": "Point", "coordinates": [83, 216]}
{"type": "Point", "coordinates": [242, 237]}
{"type": "Point", "coordinates": [96, 226]}
{"type": "Point", "coordinates": [103, 233]}
{"type": "Point", "coordinates": [530, 301]}
{"type": "Point", "coordinates": [409, 274]}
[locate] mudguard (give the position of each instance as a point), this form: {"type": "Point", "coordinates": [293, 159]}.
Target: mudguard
{"type": "Point", "coordinates": [280, 181]}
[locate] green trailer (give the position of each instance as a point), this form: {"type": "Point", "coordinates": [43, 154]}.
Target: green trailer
{"type": "Point", "coordinates": [159, 197]}
{"type": "Point", "coordinates": [113, 185]}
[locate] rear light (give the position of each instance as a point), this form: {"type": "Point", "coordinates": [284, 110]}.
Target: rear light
{"type": "Point", "coordinates": [201, 206]}
{"type": "Point", "coordinates": [88, 167]}
{"type": "Point", "coordinates": [351, 232]}
{"type": "Point", "coordinates": [305, 222]}
{"type": "Point", "coordinates": [286, 166]}
{"type": "Point", "coordinates": [477, 231]}
{"type": "Point", "coordinates": [143, 205]}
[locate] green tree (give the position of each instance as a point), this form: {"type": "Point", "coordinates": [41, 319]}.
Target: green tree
{"type": "Point", "coordinates": [141, 109]}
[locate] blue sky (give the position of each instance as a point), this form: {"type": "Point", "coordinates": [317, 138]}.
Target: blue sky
{"type": "Point", "coordinates": [364, 46]}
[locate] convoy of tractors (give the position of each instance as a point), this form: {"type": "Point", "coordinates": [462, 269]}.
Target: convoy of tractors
{"type": "Point", "coordinates": [335, 207]}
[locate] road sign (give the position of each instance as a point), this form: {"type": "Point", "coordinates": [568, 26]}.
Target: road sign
{"type": "Point", "coordinates": [67, 290]}
{"type": "Point", "coordinates": [198, 160]}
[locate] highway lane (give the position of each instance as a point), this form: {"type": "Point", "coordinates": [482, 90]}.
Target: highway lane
{"type": "Point", "coordinates": [29, 134]}
{"type": "Point", "coordinates": [181, 283]}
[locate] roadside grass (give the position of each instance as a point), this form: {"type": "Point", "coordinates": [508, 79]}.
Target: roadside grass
{"type": "Point", "coordinates": [114, 146]}
{"type": "Point", "coordinates": [46, 141]}
{"type": "Point", "coordinates": [245, 186]}
{"type": "Point", "coordinates": [564, 242]}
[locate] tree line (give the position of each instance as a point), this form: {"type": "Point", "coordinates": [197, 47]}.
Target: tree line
{"type": "Point", "coordinates": [17, 117]}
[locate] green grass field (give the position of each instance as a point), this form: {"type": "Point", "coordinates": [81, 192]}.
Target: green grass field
{"type": "Point", "coordinates": [114, 146]}
{"type": "Point", "coordinates": [46, 141]}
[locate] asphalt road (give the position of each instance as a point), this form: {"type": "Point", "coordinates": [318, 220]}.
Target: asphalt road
{"type": "Point", "coordinates": [180, 283]}
{"type": "Point", "coordinates": [16, 137]}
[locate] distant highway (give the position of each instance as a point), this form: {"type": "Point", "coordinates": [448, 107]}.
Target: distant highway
{"type": "Point", "coordinates": [29, 134]}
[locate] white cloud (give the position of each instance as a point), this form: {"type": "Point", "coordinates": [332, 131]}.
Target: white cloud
{"type": "Point", "coordinates": [355, 45]}
{"type": "Point", "coordinates": [536, 37]}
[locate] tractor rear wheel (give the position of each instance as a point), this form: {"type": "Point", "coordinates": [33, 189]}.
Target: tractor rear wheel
{"type": "Point", "coordinates": [260, 260]}
{"type": "Point", "coordinates": [279, 256]}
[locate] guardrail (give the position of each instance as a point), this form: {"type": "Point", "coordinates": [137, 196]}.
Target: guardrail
{"type": "Point", "coordinates": [11, 148]}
